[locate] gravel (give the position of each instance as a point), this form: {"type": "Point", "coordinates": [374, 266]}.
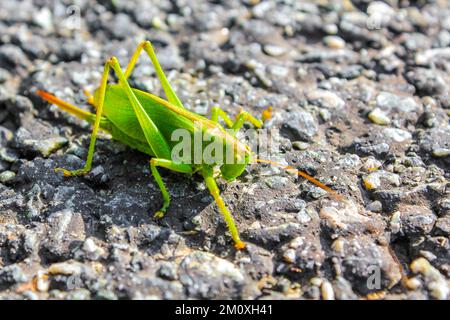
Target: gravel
{"type": "Point", "coordinates": [360, 97]}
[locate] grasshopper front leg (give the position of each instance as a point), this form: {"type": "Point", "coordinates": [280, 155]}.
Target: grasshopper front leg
{"type": "Point", "coordinates": [156, 141]}
{"type": "Point", "coordinates": [241, 118]}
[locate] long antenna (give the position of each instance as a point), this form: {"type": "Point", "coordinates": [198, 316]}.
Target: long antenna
{"type": "Point", "coordinates": [304, 175]}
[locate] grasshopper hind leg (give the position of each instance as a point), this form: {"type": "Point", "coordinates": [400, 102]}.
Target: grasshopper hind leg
{"type": "Point", "coordinates": [215, 192]}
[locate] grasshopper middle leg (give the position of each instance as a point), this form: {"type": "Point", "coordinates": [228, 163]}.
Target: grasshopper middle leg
{"type": "Point", "coordinates": [168, 164]}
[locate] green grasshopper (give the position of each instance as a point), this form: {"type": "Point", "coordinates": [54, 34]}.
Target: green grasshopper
{"type": "Point", "coordinates": [145, 122]}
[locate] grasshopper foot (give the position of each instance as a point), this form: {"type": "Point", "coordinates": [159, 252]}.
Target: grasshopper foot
{"type": "Point", "coordinates": [267, 114]}
{"type": "Point", "coordinates": [68, 173]}
{"type": "Point", "coordinates": [159, 214]}
{"type": "Point", "coordinates": [239, 245]}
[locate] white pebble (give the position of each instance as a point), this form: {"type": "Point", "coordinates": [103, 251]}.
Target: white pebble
{"type": "Point", "coordinates": [379, 117]}
{"type": "Point", "coordinates": [334, 42]}
{"type": "Point", "coordinates": [67, 268]}
{"type": "Point", "coordinates": [42, 283]}
{"type": "Point", "coordinates": [316, 281]}
{"type": "Point", "coordinates": [273, 50]}
{"type": "Point", "coordinates": [6, 176]}
{"type": "Point", "coordinates": [441, 152]}
{"type": "Point", "coordinates": [398, 135]}
{"type": "Point", "coordinates": [327, 291]}
{"type": "Point", "coordinates": [289, 256]}
{"type": "Point", "coordinates": [435, 281]}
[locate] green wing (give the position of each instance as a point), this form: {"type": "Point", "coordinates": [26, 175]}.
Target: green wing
{"type": "Point", "coordinates": [119, 111]}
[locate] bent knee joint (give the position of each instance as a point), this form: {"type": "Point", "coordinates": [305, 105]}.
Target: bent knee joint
{"type": "Point", "coordinates": [142, 44]}
{"type": "Point", "coordinates": [112, 61]}
{"type": "Point", "coordinates": [243, 114]}
{"type": "Point", "coordinates": [147, 45]}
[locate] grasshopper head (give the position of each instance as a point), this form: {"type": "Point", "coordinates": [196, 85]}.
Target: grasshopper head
{"type": "Point", "coordinates": [233, 169]}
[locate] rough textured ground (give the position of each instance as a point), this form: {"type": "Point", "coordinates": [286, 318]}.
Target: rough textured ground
{"type": "Point", "coordinates": [360, 93]}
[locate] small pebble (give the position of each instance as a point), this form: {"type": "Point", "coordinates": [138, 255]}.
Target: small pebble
{"type": "Point", "coordinates": [316, 281]}
{"type": "Point", "coordinates": [274, 51]}
{"type": "Point", "coordinates": [435, 282]}
{"type": "Point", "coordinates": [334, 42]}
{"type": "Point", "coordinates": [379, 117]}
{"type": "Point", "coordinates": [375, 206]}
{"type": "Point", "coordinates": [397, 135]}
{"type": "Point", "coordinates": [441, 152]}
{"type": "Point", "coordinates": [7, 176]}
{"type": "Point", "coordinates": [325, 99]}
{"type": "Point", "coordinates": [66, 268]}
{"type": "Point", "coordinates": [300, 145]}
{"type": "Point", "coordinates": [79, 294]}
{"type": "Point", "coordinates": [396, 222]}
{"type": "Point", "coordinates": [42, 281]}
{"type": "Point", "coordinates": [338, 245]}
{"type": "Point", "coordinates": [373, 180]}
{"type": "Point", "coordinates": [289, 256]}
{"type": "Point", "coordinates": [413, 283]}
{"type": "Point", "coordinates": [371, 164]}
{"type": "Point", "coordinates": [327, 291]}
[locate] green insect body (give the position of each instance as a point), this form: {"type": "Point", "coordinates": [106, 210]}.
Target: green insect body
{"type": "Point", "coordinates": [146, 122]}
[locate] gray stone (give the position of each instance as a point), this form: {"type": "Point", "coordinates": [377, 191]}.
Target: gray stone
{"type": "Point", "coordinates": [11, 275]}
{"type": "Point", "coordinates": [435, 140]}
{"type": "Point", "coordinates": [393, 103]}
{"type": "Point", "coordinates": [67, 232]}
{"type": "Point", "coordinates": [168, 271]}
{"type": "Point", "coordinates": [209, 277]}
{"type": "Point", "coordinates": [304, 252]}
{"type": "Point", "coordinates": [416, 220]}
{"type": "Point", "coordinates": [300, 125]}
{"type": "Point", "coordinates": [443, 226]}
{"type": "Point", "coordinates": [325, 99]}
{"type": "Point", "coordinates": [361, 258]}
{"type": "Point", "coordinates": [38, 140]}
{"type": "Point", "coordinates": [426, 81]}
